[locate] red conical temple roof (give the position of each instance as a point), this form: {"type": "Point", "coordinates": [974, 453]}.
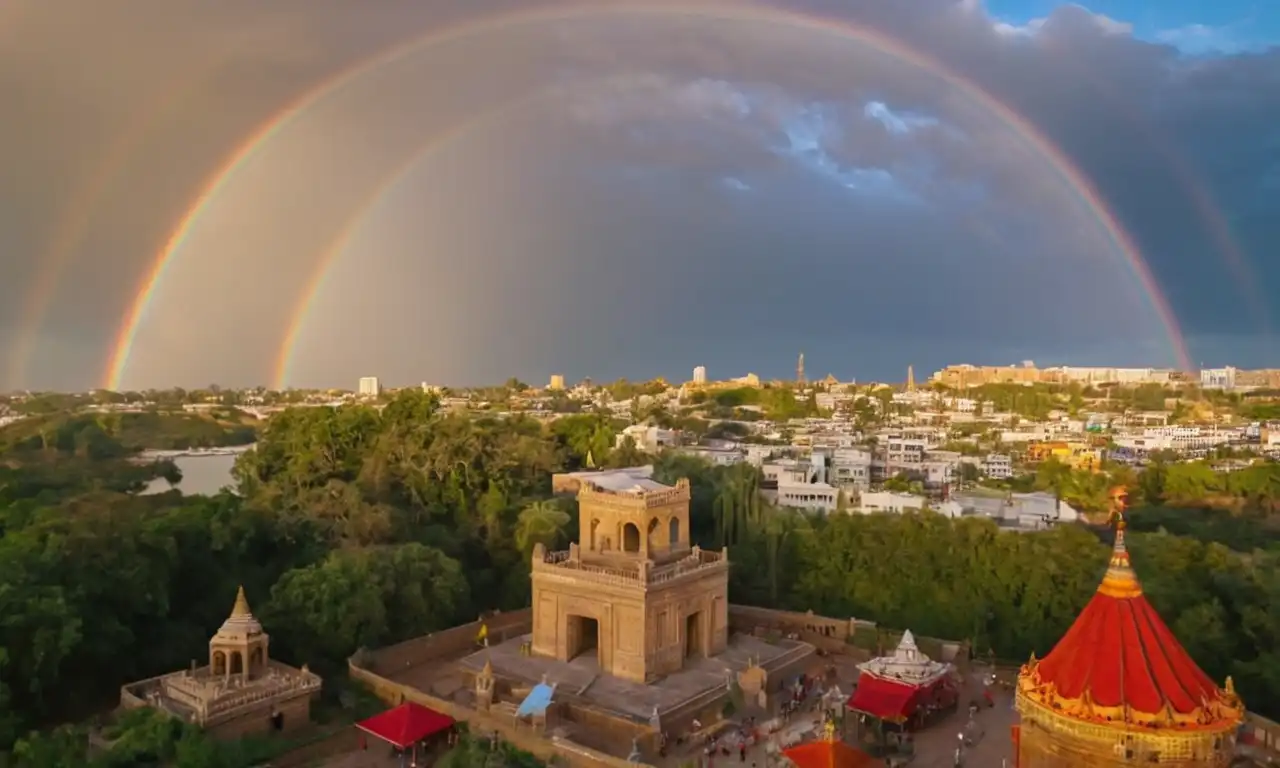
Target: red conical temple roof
{"type": "Point", "coordinates": [1120, 663]}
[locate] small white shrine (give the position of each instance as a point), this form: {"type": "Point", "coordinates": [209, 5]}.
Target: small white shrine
{"type": "Point", "coordinates": [907, 665]}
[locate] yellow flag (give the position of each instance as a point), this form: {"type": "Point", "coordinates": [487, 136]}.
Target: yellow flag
{"type": "Point", "coordinates": [483, 633]}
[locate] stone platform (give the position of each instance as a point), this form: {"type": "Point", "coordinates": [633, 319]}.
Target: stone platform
{"type": "Point", "coordinates": [582, 679]}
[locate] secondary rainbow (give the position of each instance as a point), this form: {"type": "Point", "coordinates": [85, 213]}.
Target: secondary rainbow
{"type": "Point", "coordinates": [79, 213]}
{"type": "Point", "coordinates": [315, 283]}
{"type": "Point", "coordinates": [888, 46]}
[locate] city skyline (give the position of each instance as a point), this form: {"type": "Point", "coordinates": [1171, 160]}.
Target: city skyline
{"type": "Point", "coordinates": [441, 193]}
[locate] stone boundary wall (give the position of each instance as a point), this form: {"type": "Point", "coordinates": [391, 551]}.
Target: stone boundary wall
{"type": "Point", "coordinates": [542, 746]}
{"type": "Point", "coordinates": [451, 642]}
{"type": "Point", "coordinates": [852, 637]}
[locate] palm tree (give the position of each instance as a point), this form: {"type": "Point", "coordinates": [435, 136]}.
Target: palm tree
{"type": "Point", "coordinates": [541, 522]}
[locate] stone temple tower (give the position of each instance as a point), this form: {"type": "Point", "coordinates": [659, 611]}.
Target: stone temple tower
{"type": "Point", "coordinates": [634, 593]}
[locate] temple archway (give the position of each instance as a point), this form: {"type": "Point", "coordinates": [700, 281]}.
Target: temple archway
{"type": "Point", "coordinates": [673, 532]}
{"type": "Point", "coordinates": [630, 538]}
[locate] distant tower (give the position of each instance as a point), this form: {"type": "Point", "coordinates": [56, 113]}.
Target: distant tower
{"type": "Point", "coordinates": [911, 379]}
{"type": "Point", "coordinates": [700, 375]}
{"type": "Point", "coordinates": [557, 381]}
{"type": "Point", "coordinates": [800, 370]}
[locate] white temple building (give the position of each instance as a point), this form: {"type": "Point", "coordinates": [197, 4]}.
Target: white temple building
{"type": "Point", "coordinates": [907, 665]}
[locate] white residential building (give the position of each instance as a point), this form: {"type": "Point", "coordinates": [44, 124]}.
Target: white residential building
{"type": "Point", "coordinates": [998, 466]}
{"type": "Point", "coordinates": [722, 457]}
{"type": "Point", "coordinates": [647, 438]}
{"type": "Point", "coordinates": [700, 375]}
{"type": "Point", "coordinates": [851, 467]}
{"type": "Point", "coordinates": [369, 386]}
{"type": "Point", "coordinates": [758, 454]}
{"type": "Point", "coordinates": [1177, 438]}
{"type": "Point", "coordinates": [783, 471]}
{"type": "Point", "coordinates": [1218, 378]}
{"type": "Point", "coordinates": [890, 501]}
{"type": "Point", "coordinates": [818, 497]}
{"type": "Point", "coordinates": [1028, 511]}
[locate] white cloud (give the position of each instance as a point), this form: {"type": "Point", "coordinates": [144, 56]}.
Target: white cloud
{"type": "Point", "coordinates": [1200, 39]}
{"type": "Point", "coordinates": [896, 122]}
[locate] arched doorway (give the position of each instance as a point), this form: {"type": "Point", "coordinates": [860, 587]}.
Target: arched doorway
{"type": "Point", "coordinates": [673, 532]}
{"type": "Point", "coordinates": [630, 538]}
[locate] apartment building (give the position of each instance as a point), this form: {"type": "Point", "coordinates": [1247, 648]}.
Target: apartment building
{"type": "Point", "coordinates": [997, 466]}
{"type": "Point", "coordinates": [647, 438]}
{"type": "Point", "coordinates": [890, 501]}
{"type": "Point", "coordinates": [814, 497]}
{"type": "Point", "coordinates": [1218, 378]}
{"type": "Point", "coordinates": [850, 468]}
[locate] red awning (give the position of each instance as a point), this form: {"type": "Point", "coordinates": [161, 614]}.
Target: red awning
{"type": "Point", "coordinates": [828, 754]}
{"type": "Point", "coordinates": [405, 725]}
{"type": "Point", "coordinates": [883, 699]}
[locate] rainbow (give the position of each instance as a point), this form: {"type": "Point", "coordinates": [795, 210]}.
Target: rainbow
{"type": "Point", "coordinates": [881, 43]}
{"type": "Point", "coordinates": [1197, 192]}
{"type": "Point", "coordinates": [79, 213]}
{"type": "Point", "coordinates": [298, 315]}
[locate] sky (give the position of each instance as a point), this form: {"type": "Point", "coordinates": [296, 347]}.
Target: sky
{"type": "Point", "coordinates": [461, 192]}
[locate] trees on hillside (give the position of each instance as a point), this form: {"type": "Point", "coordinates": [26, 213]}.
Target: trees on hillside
{"type": "Point", "coordinates": [361, 528]}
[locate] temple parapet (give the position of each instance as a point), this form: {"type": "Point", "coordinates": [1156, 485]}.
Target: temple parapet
{"type": "Point", "coordinates": [629, 573]}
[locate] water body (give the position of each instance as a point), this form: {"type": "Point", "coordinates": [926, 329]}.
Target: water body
{"type": "Point", "coordinates": [201, 474]}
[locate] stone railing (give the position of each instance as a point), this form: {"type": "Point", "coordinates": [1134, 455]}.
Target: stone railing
{"type": "Point", "coordinates": [644, 574]}
{"type": "Point", "coordinates": [630, 500]}
{"type": "Point", "coordinates": [211, 698]}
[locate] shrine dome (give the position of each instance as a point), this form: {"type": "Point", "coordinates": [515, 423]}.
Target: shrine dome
{"type": "Point", "coordinates": [1119, 667]}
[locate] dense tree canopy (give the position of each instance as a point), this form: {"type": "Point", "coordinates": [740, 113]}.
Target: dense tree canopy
{"type": "Point", "coordinates": [358, 527]}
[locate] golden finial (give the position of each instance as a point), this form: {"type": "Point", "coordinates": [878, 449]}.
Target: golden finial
{"type": "Point", "coordinates": [829, 730]}
{"type": "Point", "coordinates": [1230, 686]}
{"type": "Point", "coordinates": [1120, 582]}
{"type": "Point", "coordinates": [241, 607]}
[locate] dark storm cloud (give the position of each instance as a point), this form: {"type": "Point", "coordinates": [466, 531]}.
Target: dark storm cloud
{"type": "Point", "coordinates": [746, 142]}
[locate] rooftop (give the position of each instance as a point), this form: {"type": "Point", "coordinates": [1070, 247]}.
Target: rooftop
{"type": "Point", "coordinates": [1119, 663]}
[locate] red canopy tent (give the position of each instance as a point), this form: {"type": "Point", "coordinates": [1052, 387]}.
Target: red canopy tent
{"type": "Point", "coordinates": [406, 725]}
{"type": "Point", "coordinates": [883, 699]}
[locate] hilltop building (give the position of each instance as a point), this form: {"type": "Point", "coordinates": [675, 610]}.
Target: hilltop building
{"type": "Point", "coordinates": [1118, 689]}
{"type": "Point", "coordinates": [632, 623]}
{"type": "Point", "coordinates": [634, 592]}
{"type": "Point", "coordinates": [700, 375]}
{"type": "Point", "coordinates": [557, 382]}
{"type": "Point", "coordinates": [241, 692]}
{"type": "Point", "coordinates": [369, 386]}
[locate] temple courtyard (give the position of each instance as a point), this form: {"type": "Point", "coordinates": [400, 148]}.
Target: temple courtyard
{"type": "Point", "coordinates": [583, 679]}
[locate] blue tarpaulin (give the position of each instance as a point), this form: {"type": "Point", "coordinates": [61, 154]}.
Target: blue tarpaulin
{"type": "Point", "coordinates": [537, 701]}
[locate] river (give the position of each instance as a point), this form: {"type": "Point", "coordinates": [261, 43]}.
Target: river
{"type": "Point", "coordinates": [201, 474]}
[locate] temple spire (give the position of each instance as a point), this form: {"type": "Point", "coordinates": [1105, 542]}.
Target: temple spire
{"type": "Point", "coordinates": [1120, 580]}
{"type": "Point", "coordinates": [241, 608]}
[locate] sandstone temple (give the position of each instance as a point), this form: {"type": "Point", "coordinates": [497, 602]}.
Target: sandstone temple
{"type": "Point", "coordinates": [1118, 689]}
{"type": "Point", "coordinates": [633, 591]}
{"type": "Point", "coordinates": [633, 621]}
{"type": "Point", "coordinates": [241, 691]}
